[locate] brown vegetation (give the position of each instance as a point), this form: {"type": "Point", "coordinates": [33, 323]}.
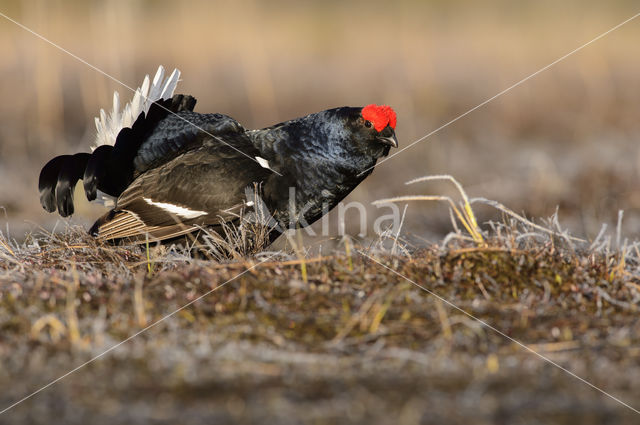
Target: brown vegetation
{"type": "Point", "coordinates": [356, 343]}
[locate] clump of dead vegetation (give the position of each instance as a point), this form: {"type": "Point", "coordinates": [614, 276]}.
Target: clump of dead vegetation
{"type": "Point", "coordinates": [308, 338]}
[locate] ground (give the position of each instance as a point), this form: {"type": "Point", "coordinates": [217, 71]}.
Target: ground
{"type": "Point", "coordinates": [363, 340]}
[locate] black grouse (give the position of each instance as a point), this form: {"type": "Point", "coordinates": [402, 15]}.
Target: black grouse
{"type": "Point", "coordinates": [167, 171]}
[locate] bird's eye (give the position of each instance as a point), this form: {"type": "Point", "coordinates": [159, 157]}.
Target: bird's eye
{"type": "Point", "coordinates": [368, 124]}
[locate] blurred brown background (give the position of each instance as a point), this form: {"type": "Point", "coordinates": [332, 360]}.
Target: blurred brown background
{"type": "Point", "coordinates": [566, 138]}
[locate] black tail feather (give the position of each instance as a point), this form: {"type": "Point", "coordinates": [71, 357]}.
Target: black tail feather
{"type": "Point", "coordinates": [109, 168]}
{"type": "Point", "coordinates": [57, 180]}
{"type": "Point", "coordinates": [71, 171]}
{"type": "Point", "coordinates": [95, 171]}
{"type": "Point", "coordinates": [48, 181]}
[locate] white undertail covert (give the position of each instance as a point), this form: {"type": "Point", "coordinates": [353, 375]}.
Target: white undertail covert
{"type": "Point", "coordinates": [109, 126]}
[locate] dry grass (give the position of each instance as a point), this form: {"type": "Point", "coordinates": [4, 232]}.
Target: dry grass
{"type": "Point", "coordinates": [356, 343]}
{"type": "Point", "coordinates": [566, 138]}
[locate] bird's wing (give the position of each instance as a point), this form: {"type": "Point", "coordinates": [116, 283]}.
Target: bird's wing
{"type": "Point", "coordinates": [108, 169]}
{"type": "Point", "coordinates": [111, 169]}
{"type": "Point", "coordinates": [178, 133]}
{"type": "Point", "coordinates": [202, 187]}
{"type": "Point", "coordinates": [168, 129]}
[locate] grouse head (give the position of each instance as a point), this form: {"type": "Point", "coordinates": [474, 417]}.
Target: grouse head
{"type": "Point", "coordinates": [355, 135]}
{"type": "Point", "coordinates": [376, 128]}
{"type": "Point", "coordinates": [362, 135]}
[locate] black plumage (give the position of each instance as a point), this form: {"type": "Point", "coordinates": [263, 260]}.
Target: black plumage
{"type": "Point", "coordinates": [175, 170]}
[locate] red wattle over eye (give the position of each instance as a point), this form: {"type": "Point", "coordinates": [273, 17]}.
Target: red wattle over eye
{"type": "Point", "coordinates": [380, 116]}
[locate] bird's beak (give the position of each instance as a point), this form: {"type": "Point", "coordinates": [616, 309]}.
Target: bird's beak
{"type": "Point", "coordinates": [388, 140]}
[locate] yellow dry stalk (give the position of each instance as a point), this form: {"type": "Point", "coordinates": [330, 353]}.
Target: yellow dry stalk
{"type": "Point", "coordinates": [470, 223]}
{"type": "Point", "coordinates": [379, 315]}
{"type": "Point", "coordinates": [149, 263]}
{"type": "Point", "coordinates": [72, 316]}
{"type": "Point", "coordinates": [467, 222]}
{"type": "Point", "coordinates": [187, 315]}
{"type": "Point", "coordinates": [138, 302]}
{"type": "Point", "coordinates": [493, 363]}
{"type": "Point", "coordinates": [296, 248]}
{"type": "Point", "coordinates": [7, 247]}
{"type": "Point", "coordinates": [303, 271]}
{"type": "Point", "coordinates": [464, 214]}
{"type": "Point", "coordinates": [356, 318]}
{"type": "Point", "coordinates": [619, 269]}
{"type": "Point", "coordinates": [477, 236]}
{"type": "Point", "coordinates": [56, 327]}
{"type": "Point", "coordinates": [444, 320]}
{"type": "Point", "coordinates": [347, 250]}
{"type": "Point", "coordinates": [301, 256]}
